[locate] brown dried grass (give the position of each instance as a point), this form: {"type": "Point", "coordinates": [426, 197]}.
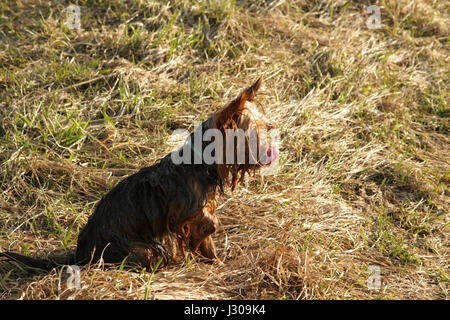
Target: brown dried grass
{"type": "Point", "coordinates": [364, 169]}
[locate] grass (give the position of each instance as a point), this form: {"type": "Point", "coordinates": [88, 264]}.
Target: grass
{"type": "Point", "coordinates": [364, 173]}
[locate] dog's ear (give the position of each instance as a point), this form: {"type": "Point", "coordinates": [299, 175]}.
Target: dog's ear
{"type": "Point", "coordinates": [248, 94]}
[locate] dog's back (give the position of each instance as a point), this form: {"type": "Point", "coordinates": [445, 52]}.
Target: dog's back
{"type": "Point", "coordinates": [135, 216]}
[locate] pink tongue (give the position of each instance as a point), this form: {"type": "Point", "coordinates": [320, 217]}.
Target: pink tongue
{"type": "Point", "coordinates": [272, 154]}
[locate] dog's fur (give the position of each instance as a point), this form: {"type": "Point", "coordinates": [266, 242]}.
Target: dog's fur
{"type": "Point", "coordinates": [165, 203]}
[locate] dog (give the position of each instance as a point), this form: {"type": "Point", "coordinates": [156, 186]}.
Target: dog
{"type": "Point", "coordinates": [173, 202]}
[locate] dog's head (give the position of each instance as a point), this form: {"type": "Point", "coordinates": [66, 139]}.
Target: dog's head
{"type": "Point", "coordinates": [245, 129]}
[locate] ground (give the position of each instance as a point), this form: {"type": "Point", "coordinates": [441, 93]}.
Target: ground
{"type": "Point", "coordinates": [362, 111]}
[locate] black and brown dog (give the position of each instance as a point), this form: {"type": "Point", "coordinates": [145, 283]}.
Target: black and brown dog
{"type": "Point", "coordinates": [170, 202]}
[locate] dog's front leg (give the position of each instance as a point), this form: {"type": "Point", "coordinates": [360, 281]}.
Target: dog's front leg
{"type": "Point", "coordinates": [200, 231]}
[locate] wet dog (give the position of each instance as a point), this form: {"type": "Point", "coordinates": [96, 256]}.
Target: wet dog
{"type": "Point", "coordinates": [174, 200]}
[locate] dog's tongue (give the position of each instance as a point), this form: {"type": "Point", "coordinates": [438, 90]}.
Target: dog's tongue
{"type": "Point", "coordinates": [272, 155]}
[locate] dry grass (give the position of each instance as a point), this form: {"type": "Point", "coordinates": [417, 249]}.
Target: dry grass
{"type": "Point", "coordinates": [364, 175]}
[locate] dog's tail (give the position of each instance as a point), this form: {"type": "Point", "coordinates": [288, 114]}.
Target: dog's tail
{"type": "Point", "coordinates": [44, 264]}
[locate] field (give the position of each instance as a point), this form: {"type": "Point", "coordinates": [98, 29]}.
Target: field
{"type": "Point", "coordinates": [363, 180]}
